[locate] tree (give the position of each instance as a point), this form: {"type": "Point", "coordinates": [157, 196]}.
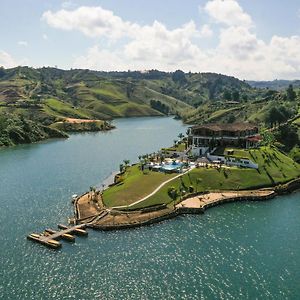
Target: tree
{"type": "Point", "coordinates": [172, 192]}
{"type": "Point", "coordinates": [2, 72]}
{"type": "Point", "coordinates": [236, 95]}
{"type": "Point", "coordinates": [267, 137]}
{"type": "Point", "coordinates": [277, 115]}
{"type": "Point", "coordinates": [180, 136]}
{"type": "Point", "coordinates": [290, 93]}
{"type": "Point", "coordinates": [227, 95]}
{"type": "Point", "coordinates": [231, 118]}
{"type": "Point", "coordinates": [159, 106]}
{"type": "Point", "coordinates": [287, 135]}
{"type": "Point", "coordinates": [179, 76]}
{"type": "Point", "coordinates": [92, 190]}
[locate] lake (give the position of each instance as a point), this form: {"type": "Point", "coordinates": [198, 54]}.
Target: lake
{"type": "Point", "coordinates": [235, 251]}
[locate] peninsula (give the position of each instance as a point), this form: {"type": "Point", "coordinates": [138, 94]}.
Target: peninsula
{"type": "Point", "coordinates": [213, 163]}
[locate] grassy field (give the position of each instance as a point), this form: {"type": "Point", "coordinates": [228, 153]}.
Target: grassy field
{"type": "Point", "coordinates": [180, 147]}
{"type": "Point", "coordinates": [135, 186]}
{"type": "Point", "coordinates": [274, 168]}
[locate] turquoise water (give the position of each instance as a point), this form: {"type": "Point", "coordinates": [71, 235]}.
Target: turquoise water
{"type": "Point", "coordinates": [171, 166]}
{"type": "Point", "coordinates": [234, 251]}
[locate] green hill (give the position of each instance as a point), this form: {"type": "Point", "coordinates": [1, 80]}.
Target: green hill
{"type": "Point", "coordinates": [49, 95]}
{"type": "Point", "coordinates": [17, 130]}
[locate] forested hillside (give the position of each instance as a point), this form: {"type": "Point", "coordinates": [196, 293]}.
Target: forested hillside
{"type": "Point", "coordinates": [49, 96]}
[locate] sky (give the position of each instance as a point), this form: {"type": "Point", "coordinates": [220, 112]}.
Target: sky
{"type": "Point", "coordinates": [248, 39]}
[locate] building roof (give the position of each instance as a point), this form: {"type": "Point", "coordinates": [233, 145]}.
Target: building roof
{"type": "Point", "coordinates": [226, 127]}
{"type": "Point", "coordinates": [255, 138]}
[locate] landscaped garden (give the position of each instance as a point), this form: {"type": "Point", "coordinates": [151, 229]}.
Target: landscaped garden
{"type": "Point", "coordinates": [134, 185]}
{"type": "Point", "coordinates": [274, 168]}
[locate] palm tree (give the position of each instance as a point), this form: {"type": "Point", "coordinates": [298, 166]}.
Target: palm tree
{"type": "Point", "coordinates": [126, 162]}
{"type": "Point", "coordinates": [92, 190]}
{"type": "Point", "coordinates": [180, 136]}
{"type": "Point", "coordinates": [121, 168]}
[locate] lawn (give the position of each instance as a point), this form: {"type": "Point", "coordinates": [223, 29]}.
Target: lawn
{"type": "Point", "coordinates": [274, 168]}
{"type": "Point", "coordinates": [179, 147]}
{"type": "Point", "coordinates": [135, 186]}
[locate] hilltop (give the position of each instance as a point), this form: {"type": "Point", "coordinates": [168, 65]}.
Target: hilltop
{"type": "Point", "coordinates": [49, 96]}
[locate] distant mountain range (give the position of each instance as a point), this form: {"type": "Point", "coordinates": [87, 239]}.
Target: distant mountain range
{"type": "Point", "coordinates": [275, 84]}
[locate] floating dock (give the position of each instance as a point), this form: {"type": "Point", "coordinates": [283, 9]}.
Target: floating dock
{"type": "Point", "coordinates": [75, 229]}
{"type": "Point", "coordinates": [49, 237]}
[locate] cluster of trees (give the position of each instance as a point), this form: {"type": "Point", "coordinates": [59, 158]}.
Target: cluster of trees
{"type": "Point", "coordinates": [290, 93]}
{"type": "Point", "coordinates": [124, 165]}
{"type": "Point", "coordinates": [277, 115]}
{"type": "Point", "coordinates": [233, 95]}
{"type": "Point", "coordinates": [161, 107]}
{"type": "Point", "coordinates": [2, 72]}
{"type": "Point", "coordinates": [287, 135]}
{"type": "Point", "coordinates": [179, 76]}
{"type": "Point", "coordinates": [17, 130]}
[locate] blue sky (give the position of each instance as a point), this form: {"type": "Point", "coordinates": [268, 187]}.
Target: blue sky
{"type": "Point", "coordinates": [248, 39]}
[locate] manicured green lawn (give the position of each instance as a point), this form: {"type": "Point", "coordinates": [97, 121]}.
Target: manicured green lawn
{"type": "Point", "coordinates": [136, 186]}
{"type": "Point", "coordinates": [179, 147]}
{"type": "Point", "coordinates": [274, 167]}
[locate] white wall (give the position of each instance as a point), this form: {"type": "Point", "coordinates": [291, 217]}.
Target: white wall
{"type": "Point", "coordinates": [231, 161]}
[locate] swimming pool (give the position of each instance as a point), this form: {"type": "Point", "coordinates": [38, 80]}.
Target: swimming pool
{"type": "Point", "coordinates": [171, 167]}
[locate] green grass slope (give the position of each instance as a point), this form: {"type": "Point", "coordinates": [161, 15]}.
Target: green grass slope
{"type": "Point", "coordinates": [274, 168]}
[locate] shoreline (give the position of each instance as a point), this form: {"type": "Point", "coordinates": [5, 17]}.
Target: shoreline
{"type": "Point", "coordinates": [104, 218]}
{"type": "Point", "coordinates": [86, 130]}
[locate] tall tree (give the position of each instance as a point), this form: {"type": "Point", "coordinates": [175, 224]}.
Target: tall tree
{"type": "Point", "coordinates": [179, 76]}
{"type": "Point", "coordinates": [236, 95]}
{"type": "Point", "coordinates": [290, 93]}
{"type": "Point", "coordinates": [227, 95]}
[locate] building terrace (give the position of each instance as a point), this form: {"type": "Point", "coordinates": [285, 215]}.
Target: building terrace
{"type": "Point", "coordinates": [204, 138]}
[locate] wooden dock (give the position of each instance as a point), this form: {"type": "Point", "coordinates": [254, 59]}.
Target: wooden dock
{"type": "Point", "coordinates": [49, 237]}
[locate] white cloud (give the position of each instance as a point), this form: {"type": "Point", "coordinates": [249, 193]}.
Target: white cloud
{"type": "Point", "coordinates": [228, 12]}
{"type": "Point", "coordinates": [45, 37]}
{"type": "Point", "coordinates": [91, 21]}
{"type": "Point", "coordinates": [23, 43]}
{"type": "Point", "coordinates": [239, 51]}
{"type": "Point", "coordinates": [152, 47]}
{"type": "Point", "coordinates": [206, 31]}
{"type": "Point", "coordinates": [6, 60]}
{"type": "Point", "coordinates": [99, 22]}
{"type": "Point", "coordinates": [97, 59]}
